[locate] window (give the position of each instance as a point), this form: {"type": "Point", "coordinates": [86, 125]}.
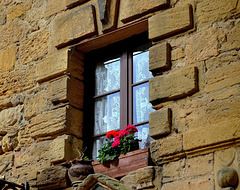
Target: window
{"type": "Point", "coordinates": [119, 92]}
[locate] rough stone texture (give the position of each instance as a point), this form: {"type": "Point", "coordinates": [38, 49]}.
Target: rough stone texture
{"type": "Point", "coordinates": [61, 149]}
{"type": "Point", "coordinates": [203, 45]}
{"type": "Point", "coordinates": [177, 54]}
{"type": "Point", "coordinates": [170, 22]}
{"type": "Point", "coordinates": [54, 6]}
{"type": "Point", "coordinates": [144, 178]}
{"type": "Point", "coordinates": [186, 168]}
{"type": "Point", "coordinates": [11, 33]}
{"type": "Point", "coordinates": [18, 10]}
{"type": "Point", "coordinates": [14, 82]}
{"type": "Point", "coordinates": [212, 11]}
{"type": "Point", "coordinates": [111, 23]}
{"type": "Point", "coordinates": [164, 88]}
{"type": "Point", "coordinates": [66, 120]}
{"type": "Point", "coordinates": [166, 148]}
{"type": "Point", "coordinates": [8, 58]}
{"type": "Point", "coordinates": [200, 183]}
{"type": "Point", "coordinates": [131, 10]}
{"type": "Point", "coordinates": [160, 57]}
{"type": "Point", "coordinates": [63, 62]}
{"type": "Point", "coordinates": [70, 3]}
{"type": "Point", "coordinates": [3, 17]}
{"type": "Point", "coordinates": [38, 42]}
{"type": "Point", "coordinates": [211, 135]}
{"type": "Point", "coordinates": [232, 38]}
{"type": "Point", "coordinates": [160, 123]}
{"type": "Point", "coordinates": [76, 25]}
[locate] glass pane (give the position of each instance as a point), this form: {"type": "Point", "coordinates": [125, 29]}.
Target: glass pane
{"type": "Point", "coordinates": [107, 113]}
{"type": "Point", "coordinates": [143, 135]}
{"type": "Point", "coordinates": [98, 142]}
{"type": "Point", "coordinates": [141, 105]}
{"type": "Point", "coordinates": [141, 66]}
{"type": "Point", "coordinates": [107, 76]}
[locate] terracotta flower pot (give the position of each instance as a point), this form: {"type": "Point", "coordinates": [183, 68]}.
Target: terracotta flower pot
{"type": "Point", "coordinates": [79, 170]}
{"type": "Point", "coordinates": [125, 164]}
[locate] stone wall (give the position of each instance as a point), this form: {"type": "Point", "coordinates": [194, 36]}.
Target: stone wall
{"type": "Point", "coordinates": [195, 60]}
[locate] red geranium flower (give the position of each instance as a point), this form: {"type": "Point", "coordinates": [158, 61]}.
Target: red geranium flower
{"type": "Point", "coordinates": [111, 134]}
{"type": "Point", "coordinates": [115, 143]}
{"type": "Point", "coordinates": [131, 129]}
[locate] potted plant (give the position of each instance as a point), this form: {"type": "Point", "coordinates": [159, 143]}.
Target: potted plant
{"type": "Point", "coordinates": [121, 154]}
{"type": "Point", "coordinates": [81, 167]}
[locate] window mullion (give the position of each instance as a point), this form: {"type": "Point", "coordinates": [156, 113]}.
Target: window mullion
{"type": "Point", "coordinates": [130, 89]}
{"type": "Point", "coordinates": [123, 90]}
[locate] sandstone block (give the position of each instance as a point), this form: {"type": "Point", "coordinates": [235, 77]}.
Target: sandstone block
{"type": "Point", "coordinates": [77, 25]}
{"type": "Point", "coordinates": [222, 77]}
{"type": "Point", "coordinates": [14, 82]}
{"type": "Point", "coordinates": [67, 120]}
{"type": "Point", "coordinates": [11, 33]}
{"type": "Point", "coordinates": [62, 150]}
{"type": "Point", "coordinates": [67, 89]}
{"type": "Point", "coordinates": [71, 3]}
{"type": "Point", "coordinates": [134, 9]}
{"type": "Point", "coordinates": [202, 46]}
{"type": "Point", "coordinates": [212, 135]}
{"type": "Point", "coordinates": [52, 178]}
{"type": "Point", "coordinates": [3, 17]}
{"type": "Point", "coordinates": [111, 22]}
{"type": "Point", "coordinates": [164, 88]}
{"type": "Point", "coordinates": [233, 39]}
{"type": "Point", "coordinates": [212, 11]}
{"type": "Point", "coordinates": [160, 57]}
{"type": "Point", "coordinates": [18, 10]}
{"type": "Point", "coordinates": [186, 168]}
{"type": "Point", "coordinates": [177, 54]}
{"type": "Point", "coordinates": [35, 103]}
{"type": "Point", "coordinates": [199, 183]}
{"type": "Point", "coordinates": [160, 123]}
{"type": "Point", "coordinates": [170, 22]}
{"type": "Point", "coordinates": [69, 62]}
{"type": "Point", "coordinates": [38, 42]}
{"type": "Point", "coordinates": [8, 58]}
{"type": "Point", "coordinates": [54, 6]}
{"type": "Point", "coordinates": [166, 149]}
{"type": "Point", "coordinates": [10, 119]}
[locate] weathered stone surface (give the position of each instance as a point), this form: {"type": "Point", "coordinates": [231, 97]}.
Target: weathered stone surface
{"type": "Point", "coordinates": [9, 142]}
{"type": "Point", "coordinates": [177, 54]}
{"type": "Point", "coordinates": [77, 25]}
{"type": "Point", "coordinates": [131, 10]}
{"type": "Point", "coordinates": [18, 10]}
{"type": "Point", "coordinates": [63, 62]}
{"type": "Point", "coordinates": [227, 177]}
{"type": "Point", "coordinates": [3, 17]}
{"type": "Point", "coordinates": [164, 88]}
{"type": "Point", "coordinates": [211, 11]}
{"type": "Point", "coordinates": [10, 119]}
{"type": "Point", "coordinates": [38, 42]}
{"type": "Point", "coordinates": [221, 77]}
{"type": "Point", "coordinates": [147, 177]}
{"type": "Point", "coordinates": [202, 45]}
{"type": "Point", "coordinates": [6, 161]}
{"type": "Point", "coordinates": [61, 149]}
{"type": "Point", "coordinates": [54, 6]}
{"type": "Point", "coordinates": [35, 103]}
{"type": "Point", "coordinates": [160, 123]}
{"type": "Point", "coordinates": [67, 89]}
{"type": "Point", "coordinates": [111, 22]}
{"type": "Point", "coordinates": [52, 178]}
{"type": "Point", "coordinates": [160, 57]}
{"type": "Point", "coordinates": [232, 38]}
{"type": "Point", "coordinates": [165, 149]}
{"type": "Point", "coordinates": [200, 183]}
{"type": "Point", "coordinates": [211, 135]}
{"type": "Point", "coordinates": [66, 120]}
{"type": "Point", "coordinates": [14, 82]}
{"type": "Point", "coordinates": [8, 58]}
{"type": "Point", "coordinates": [170, 22]}
{"type": "Point", "coordinates": [11, 33]}
{"type": "Point", "coordinates": [186, 168]}
{"type": "Point", "coordinates": [71, 3]}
